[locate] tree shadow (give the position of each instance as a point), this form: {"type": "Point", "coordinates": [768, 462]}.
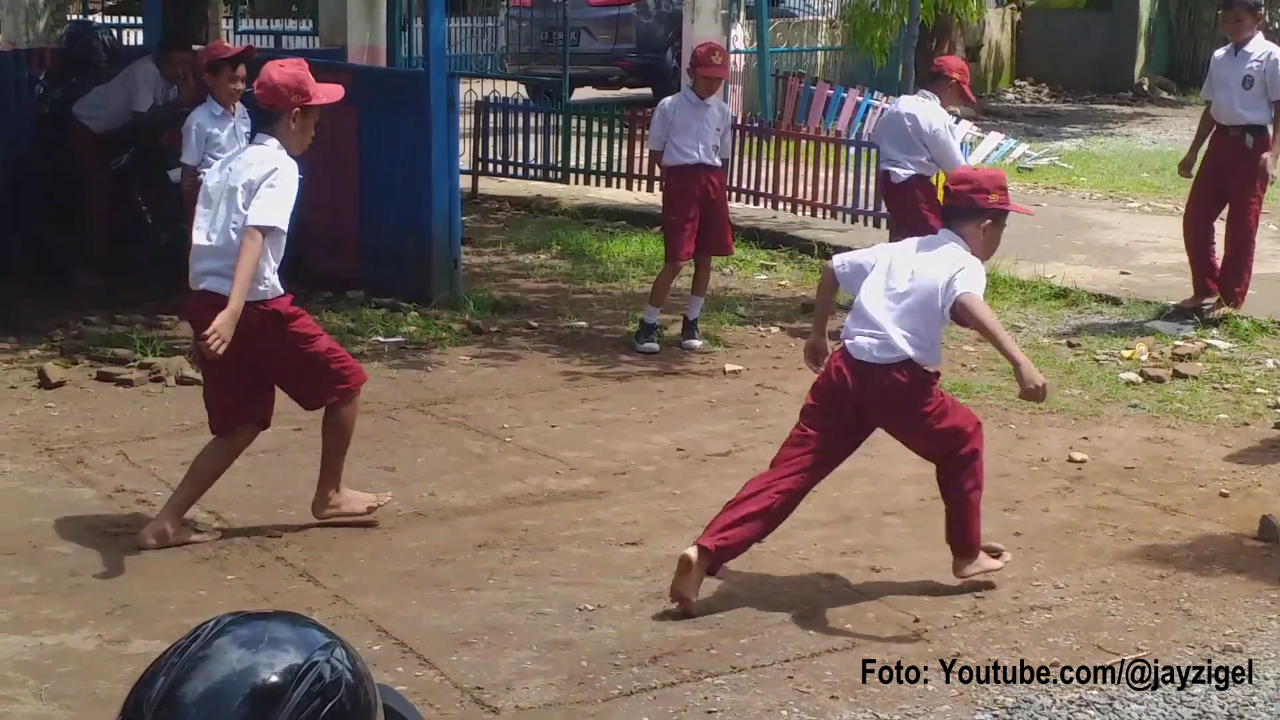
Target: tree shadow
{"type": "Point", "coordinates": [1041, 124]}
{"type": "Point", "coordinates": [1215, 556]}
{"type": "Point", "coordinates": [807, 598]}
{"type": "Point", "coordinates": [112, 535]}
{"type": "Point", "coordinates": [1263, 453]}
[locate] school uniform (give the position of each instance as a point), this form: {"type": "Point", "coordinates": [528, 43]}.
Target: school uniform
{"type": "Point", "coordinates": [210, 133]}
{"type": "Point", "coordinates": [105, 110]}
{"type": "Point", "coordinates": [1241, 87]}
{"type": "Point", "coordinates": [695, 136]}
{"type": "Point", "coordinates": [882, 376]}
{"type": "Point", "coordinates": [917, 138]}
{"type": "Point", "coordinates": [276, 344]}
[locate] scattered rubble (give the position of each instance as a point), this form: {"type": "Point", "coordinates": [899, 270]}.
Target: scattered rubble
{"type": "Point", "coordinates": [1154, 89]}
{"type": "Point", "coordinates": [51, 376]}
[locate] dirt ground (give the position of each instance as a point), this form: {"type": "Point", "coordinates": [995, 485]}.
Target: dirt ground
{"type": "Point", "coordinates": [545, 478]}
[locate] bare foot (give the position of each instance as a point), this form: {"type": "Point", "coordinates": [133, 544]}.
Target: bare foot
{"type": "Point", "coordinates": [691, 570]}
{"type": "Point", "coordinates": [348, 504]}
{"type": "Point", "coordinates": [1219, 311]}
{"type": "Point", "coordinates": [993, 558]}
{"type": "Point", "coordinates": [1195, 302]}
{"type": "Point", "coordinates": [158, 535]}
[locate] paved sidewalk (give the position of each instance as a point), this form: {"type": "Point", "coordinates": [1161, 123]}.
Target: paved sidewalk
{"type": "Point", "coordinates": [1095, 246]}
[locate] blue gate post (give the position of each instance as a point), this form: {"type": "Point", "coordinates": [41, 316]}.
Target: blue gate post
{"type": "Point", "coordinates": [445, 201]}
{"type": "Point", "coordinates": [764, 60]}
{"type": "Point", "coordinates": [152, 23]}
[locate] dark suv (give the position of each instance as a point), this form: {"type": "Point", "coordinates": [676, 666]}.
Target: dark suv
{"type": "Point", "coordinates": [613, 44]}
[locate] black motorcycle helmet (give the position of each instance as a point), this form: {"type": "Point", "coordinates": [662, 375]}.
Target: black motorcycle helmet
{"type": "Point", "coordinates": [268, 665]}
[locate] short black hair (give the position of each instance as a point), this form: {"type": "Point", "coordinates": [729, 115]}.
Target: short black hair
{"type": "Point", "coordinates": [261, 119]}
{"type": "Point", "coordinates": [170, 44]}
{"type": "Point", "coordinates": [1253, 6]}
{"type": "Point", "coordinates": [217, 67]}
{"type": "Point", "coordinates": [934, 78]}
{"type": "Point", "coordinates": [954, 216]}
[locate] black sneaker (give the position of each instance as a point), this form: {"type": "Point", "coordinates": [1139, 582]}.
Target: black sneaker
{"type": "Point", "coordinates": [690, 338]}
{"type": "Point", "coordinates": [646, 338]}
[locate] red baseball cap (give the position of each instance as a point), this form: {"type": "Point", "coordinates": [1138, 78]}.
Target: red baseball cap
{"type": "Point", "coordinates": [220, 50]}
{"type": "Point", "coordinates": [971, 188]}
{"type": "Point", "coordinates": [287, 84]}
{"type": "Point", "coordinates": [710, 60]}
{"type": "Point", "coordinates": [956, 69]}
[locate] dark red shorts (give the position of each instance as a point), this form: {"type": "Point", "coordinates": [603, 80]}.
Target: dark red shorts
{"type": "Point", "coordinates": [695, 213]}
{"type": "Point", "coordinates": [913, 206]}
{"type": "Point", "coordinates": [276, 345]}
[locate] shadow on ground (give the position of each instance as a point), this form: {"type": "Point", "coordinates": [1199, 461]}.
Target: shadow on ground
{"type": "Point", "coordinates": [1261, 454]}
{"type": "Point", "coordinates": [1216, 555]}
{"type": "Point", "coordinates": [807, 598]}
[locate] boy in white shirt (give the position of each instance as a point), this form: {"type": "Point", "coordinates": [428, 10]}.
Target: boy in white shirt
{"type": "Point", "coordinates": [1242, 89]}
{"type": "Point", "coordinates": [252, 338]}
{"type": "Point", "coordinates": [137, 94]}
{"type": "Point", "coordinates": [880, 377]}
{"type": "Point", "coordinates": [220, 126]}
{"type": "Point", "coordinates": [690, 139]}
{"type": "Point", "coordinates": [917, 138]}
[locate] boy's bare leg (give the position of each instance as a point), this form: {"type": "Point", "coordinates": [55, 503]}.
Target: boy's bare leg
{"type": "Point", "coordinates": [167, 529]}
{"type": "Point", "coordinates": [332, 500]}
{"type": "Point", "coordinates": [701, 276]}
{"type": "Point", "coordinates": [691, 570]}
{"type": "Point", "coordinates": [993, 558]}
{"type": "Point", "coordinates": [662, 284]}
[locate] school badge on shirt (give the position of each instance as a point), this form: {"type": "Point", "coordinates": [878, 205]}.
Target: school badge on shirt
{"type": "Point", "coordinates": [1247, 82]}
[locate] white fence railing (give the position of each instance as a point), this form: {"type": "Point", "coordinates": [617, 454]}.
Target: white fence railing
{"type": "Point", "coordinates": [276, 33]}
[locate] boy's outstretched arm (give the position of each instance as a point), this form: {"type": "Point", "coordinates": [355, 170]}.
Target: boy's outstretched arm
{"type": "Point", "coordinates": [974, 313]}
{"type": "Point", "coordinates": [816, 348]}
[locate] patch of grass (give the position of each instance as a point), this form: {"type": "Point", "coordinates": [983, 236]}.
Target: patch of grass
{"type": "Point", "coordinates": [1076, 338]}
{"type": "Point", "coordinates": [359, 326]}
{"type": "Point", "coordinates": [1121, 171]}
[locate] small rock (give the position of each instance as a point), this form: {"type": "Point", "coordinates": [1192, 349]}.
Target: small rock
{"type": "Point", "coordinates": [1224, 493]}
{"type": "Point", "coordinates": [731, 369]}
{"type": "Point", "coordinates": [1077, 458]}
{"type": "Point", "coordinates": [1187, 352]}
{"type": "Point", "coordinates": [1074, 343]}
{"type": "Point", "coordinates": [390, 304]}
{"type": "Point", "coordinates": [133, 379]}
{"type": "Point", "coordinates": [577, 325]}
{"type": "Point", "coordinates": [1156, 375]}
{"type": "Point", "coordinates": [168, 322]}
{"type": "Point", "coordinates": [1269, 529]}
{"type": "Point", "coordinates": [476, 327]}
{"type": "Point", "coordinates": [190, 377]}
{"type": "Point", "coordinates": [1234, 648]}
{"type": "Point", "coordinates": [356, 297]}
{"type": "Point", "coordinates": [807, 306]}
{"type": "Point", "coordinates": [1130, 378]}
{"type": "Point", "coordinates": [111, 374]}
{"type": "Point", "coordinates": [113, 356]}
{"type": "Point", "coordinates": [531, 324]}
{"type": "Point", "coordinates": [1188, 371]}
{"type": "Point", "coordinates": [92, 320]}
{"type": "Point", "coordinates": [1218, 344]}
{"type": "Point", "coordinates": [51, 376]}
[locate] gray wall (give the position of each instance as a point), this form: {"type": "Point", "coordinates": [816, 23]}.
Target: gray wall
{"type": "Point", "coordinates": [1081, 49]}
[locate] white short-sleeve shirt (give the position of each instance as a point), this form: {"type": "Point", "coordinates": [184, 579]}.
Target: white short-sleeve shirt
{"type": "Point", "coordinates": [212, 133]}
{"type": "Point", "coordinates": [1243, 84]}
{"type": "Point", "coordinates": [903, 294]}
{"type": "Point", "coordinates": [689, 130]}
{"type": "Point", "coordinates": [916, 136]}
{"type": "Point", "coordinates": [136, 89]}
{"type": "Point", "coordinates": [255, 186]}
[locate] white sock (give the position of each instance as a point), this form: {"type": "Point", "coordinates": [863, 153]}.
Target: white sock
{"type": "Point", "coordinates": [650, 314]}
{"type": "Point", "coordinates": [695, 307]}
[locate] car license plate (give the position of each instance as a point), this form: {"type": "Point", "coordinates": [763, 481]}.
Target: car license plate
{"type": "Point", "coordinates": [556, 37]}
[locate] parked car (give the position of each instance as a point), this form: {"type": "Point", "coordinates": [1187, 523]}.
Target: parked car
{"type": "Point", "coordinates": [613, 44]}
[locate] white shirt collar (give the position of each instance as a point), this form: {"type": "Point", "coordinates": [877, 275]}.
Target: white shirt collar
{"type": "Point", "coordinates": [691, 95]}
{"type": "Point", "coordinates": [269, 141]}
{"type": "Point", "coordinates": [950, 236]}
{"type": "Point", "coordinates": [929, 96]}
{"type": "Point", "coordinates": [1252, 45]}
{"type": "Point", "coordinates": [215, 107]}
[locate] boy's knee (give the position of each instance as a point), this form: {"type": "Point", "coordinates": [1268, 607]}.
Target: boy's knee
{"type": "Point", "coordinates": [673, 267]}
{"type": "Point", "coordinates": [242, 436]}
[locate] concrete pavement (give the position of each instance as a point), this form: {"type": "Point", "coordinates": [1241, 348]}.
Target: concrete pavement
{"type": "Point", "coordinates": [1092, 245]}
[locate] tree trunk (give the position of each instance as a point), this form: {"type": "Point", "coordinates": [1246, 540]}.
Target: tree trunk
{"type": "Point", "coordinates": [909, 48]}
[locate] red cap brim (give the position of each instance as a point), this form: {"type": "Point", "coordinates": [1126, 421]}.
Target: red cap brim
{"type": "Point", "coordinates": [720, 72]}
{"type": "Point", "coordinates": [1020, 209]}
{"type": "Point", "coordinates": [968, 93]}
{"type": "Point", "coordinates": [327, 94]}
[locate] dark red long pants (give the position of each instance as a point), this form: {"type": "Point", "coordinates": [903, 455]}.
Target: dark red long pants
{"type": "Point", "coordinates": [1230, 176]}
{"type": "Point", "coordinates": [850, 400]}
{"type": "Point", "coordinates": [913, 207]}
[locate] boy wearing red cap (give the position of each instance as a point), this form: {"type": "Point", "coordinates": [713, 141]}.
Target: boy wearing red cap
{"type": "Point", "coordinates": [917, 138]}
{"type": "Point", "coordinates": [690, 139]}
{"type": "Point", "coordinates": [220, 126]}
{"type": "Point", "coordinates": [1241, 124]}
{"type": "Point", "coordinates": [882, 377]}
{"type": "Point", "coordinates": [252, 339]}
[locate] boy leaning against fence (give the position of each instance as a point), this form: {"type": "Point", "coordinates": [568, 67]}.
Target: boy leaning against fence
{"type": "Point", "coordinates": [690, 140]}
{"type": "Point", "coordinates": [252, 338]}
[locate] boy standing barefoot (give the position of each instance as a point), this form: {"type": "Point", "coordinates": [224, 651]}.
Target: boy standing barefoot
{"type": "Point", "coordinates": [252, 339]}
{"type": "Point", "coordinates": [905, 294]}
{"type": "Point", "coordinates": [1242, 126]}
{"type": "Point", "coordinates": [690, 140]}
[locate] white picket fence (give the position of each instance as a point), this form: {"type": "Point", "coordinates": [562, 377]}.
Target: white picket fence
{"type": "Point", "coordinates": [259, 32]}
{"type": "Point", "coordinates": [474, 43]}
